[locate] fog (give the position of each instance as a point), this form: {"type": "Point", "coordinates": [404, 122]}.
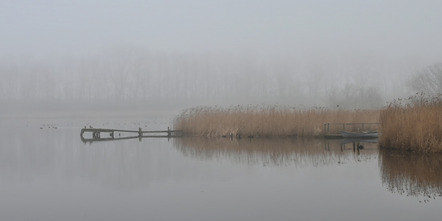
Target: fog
{"type": "Point", "coordinates": [169, 55]}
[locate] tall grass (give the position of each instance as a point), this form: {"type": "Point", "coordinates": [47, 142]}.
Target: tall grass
{"type": "Point", "coordinates": [272, 121]}
{"type": "Point", "coordinates": [413, 124]}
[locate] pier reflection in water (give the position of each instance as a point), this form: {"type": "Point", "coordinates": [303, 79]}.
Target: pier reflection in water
{"type": "Point", "coordinates": [411, 174]}
{"type": "Point", "coordinates": [206, 179]}
{"type": "Point", "coordinates": [276, 152]}
{"type": "Point", "coordinates": [404, 173]}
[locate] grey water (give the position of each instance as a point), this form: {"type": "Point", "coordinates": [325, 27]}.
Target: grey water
{"type": "Point", "coordinates": [48, 173]}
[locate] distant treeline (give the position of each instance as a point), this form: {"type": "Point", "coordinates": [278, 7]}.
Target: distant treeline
{"type": "Point", "coordinates": [190, 78]}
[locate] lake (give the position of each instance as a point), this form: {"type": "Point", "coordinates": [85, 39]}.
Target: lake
{"type": "Point", "coordinates": [48, 173]}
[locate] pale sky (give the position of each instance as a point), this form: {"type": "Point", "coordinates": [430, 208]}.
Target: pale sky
{"type": "Point", "coordinates": [389, 28]}
{"type": "Point", "coordinates": [279, 48]}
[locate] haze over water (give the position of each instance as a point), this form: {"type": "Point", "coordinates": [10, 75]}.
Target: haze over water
{"type": "Point", "coordinates": [136, 64]}
{"type": "Point", "coordinates": [49, 173]}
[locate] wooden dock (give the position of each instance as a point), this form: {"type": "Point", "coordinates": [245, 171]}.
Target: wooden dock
{"type": "Point", "coordinates": [332, 130]}
{"type": "Point", "coordinates": [103, 134]}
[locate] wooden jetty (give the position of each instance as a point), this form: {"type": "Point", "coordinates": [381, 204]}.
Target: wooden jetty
{"type": "Point", "coordinates": [115, 134]}
{"type": "Point", "coordinates": [333, 130]}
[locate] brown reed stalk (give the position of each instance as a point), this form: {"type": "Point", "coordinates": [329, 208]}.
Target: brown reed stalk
{"type": "Point", "coordinates": [273, 121]}
{"type": "Point", "coordinates": [413, 124]}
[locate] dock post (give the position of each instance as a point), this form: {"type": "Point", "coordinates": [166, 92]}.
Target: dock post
{"type": "Point", "coordinates": [96, 134]}
{"type": "Point", "coordinates": [168, 132]}
{"type": "Point", "coordinates": [140, 133]}
{"type": "Point", "coordinates": [358, 147]}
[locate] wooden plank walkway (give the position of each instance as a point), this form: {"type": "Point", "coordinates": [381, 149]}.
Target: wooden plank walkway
{"type": "Point", "coordinates": [115, 134]}
{"type": "Point", "coordinates": [332, 130]}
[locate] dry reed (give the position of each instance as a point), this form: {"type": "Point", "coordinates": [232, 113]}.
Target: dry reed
{"type": "Point", "coordinates": [265, 121]}
{"type": "Point", "coordinates": [414, 124]}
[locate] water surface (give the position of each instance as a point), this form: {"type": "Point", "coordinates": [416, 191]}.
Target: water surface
{"type": "Point", "coordinates": [48, 173]}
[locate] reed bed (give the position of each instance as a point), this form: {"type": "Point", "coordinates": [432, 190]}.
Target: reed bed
{"type": "Point", "coordinates": [413, 124]}
{"type": "Point", "coordinates": [275, 121]}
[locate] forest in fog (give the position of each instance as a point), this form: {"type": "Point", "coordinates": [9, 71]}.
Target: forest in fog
{"type": "Point", "coordinates": [181, 80]}
{"type": "Point", "coordinates": [179, 54]}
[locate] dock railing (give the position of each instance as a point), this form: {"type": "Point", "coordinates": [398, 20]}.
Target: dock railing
{"type": "Point", "coordinates": [334, 129]}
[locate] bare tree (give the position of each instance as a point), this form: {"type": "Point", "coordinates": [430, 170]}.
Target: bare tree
{"type": "Point", "coordinates": [355, 96]}
{"type": "Point", "coordinates": [428, 80]}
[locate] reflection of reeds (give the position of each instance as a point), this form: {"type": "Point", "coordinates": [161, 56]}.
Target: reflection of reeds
{"type": "Point", "coordinates": [411, 173]}
{"type": "Point", "coordinates": [416, 125]}
{"type": "Point", "coordinates": [265, 121]}
{"type": "Point", "coordinates": [274, 152]}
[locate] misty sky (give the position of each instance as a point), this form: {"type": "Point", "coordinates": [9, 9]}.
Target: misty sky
{"type": "Point", "coordinates": [386, 38]}
{"type": "Point", "coordinates": [392, 28]}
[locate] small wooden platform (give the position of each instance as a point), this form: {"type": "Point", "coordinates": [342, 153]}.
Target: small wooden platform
{"type": "Point", "coordinates": [333, 130]}
{"type": "Point", "coordinates": [99, 134]}
{"type": "Point", "coordinates": [333, 136]}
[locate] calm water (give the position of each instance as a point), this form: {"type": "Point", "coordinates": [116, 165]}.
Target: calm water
{"type": "Point", "coordinates": [48, 173]}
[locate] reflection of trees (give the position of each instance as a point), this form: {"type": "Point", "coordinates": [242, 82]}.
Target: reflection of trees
{"type": "Point", "coordinates": [274, 152]}
{"type": "Point", "coordinates": [411, 173]}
